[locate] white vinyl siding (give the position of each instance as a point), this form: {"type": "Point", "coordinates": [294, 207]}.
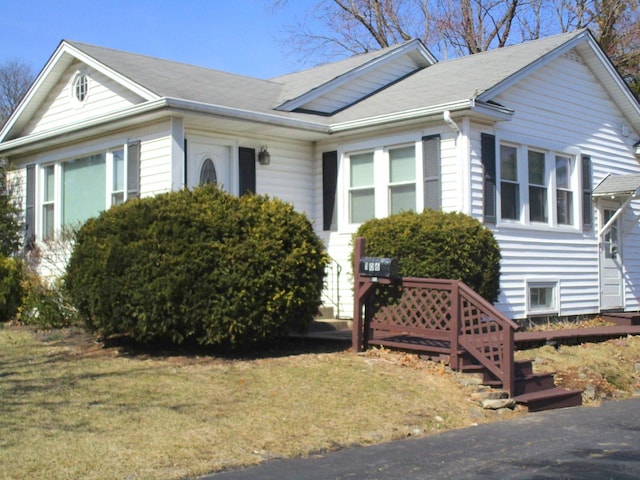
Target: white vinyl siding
{"type": "Point", "coordinates": [561, 110]}
{"type": "Point", "coordinates": [61, 107]}
{"type": "Point", "coordinates": [358, 88]}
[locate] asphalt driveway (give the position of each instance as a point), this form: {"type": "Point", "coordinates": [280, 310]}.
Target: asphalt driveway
{"type": "Point", "coordinates": [574, 443]}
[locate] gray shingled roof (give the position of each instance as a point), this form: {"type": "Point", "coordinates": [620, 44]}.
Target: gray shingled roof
{"type": "Point", "coordinates": [299, 83]}
{"type": "Point", "coordinates": [618, 185]}
{"type": "Point", "coordinates": [178, 80]}
{"type": "Point", "coordinates": [455, 80]}
{"type": "Point", "coordinates": [440, 84]}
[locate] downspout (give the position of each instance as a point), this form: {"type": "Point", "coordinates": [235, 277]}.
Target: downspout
{"type": "Point", "coordinates": [463, 153]}
{"type": "Point", "coordinates": [447, 118]}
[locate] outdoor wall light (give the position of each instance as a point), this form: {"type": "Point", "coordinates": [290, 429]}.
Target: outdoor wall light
{"type": "Point", "coordinates": [264, 157]}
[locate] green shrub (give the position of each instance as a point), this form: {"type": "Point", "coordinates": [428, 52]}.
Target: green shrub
{"type": "Point", "coordinates": [45, 306]}
{"type": "Point", "coordinates": [197, 265]}
{"type": "Point", "coordinates": [435, 244]}
{"type": "Point", "coordinates": [11, 288]}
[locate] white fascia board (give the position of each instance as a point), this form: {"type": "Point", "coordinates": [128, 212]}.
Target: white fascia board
{"type": "Point", "coordinates": [494, 111]}
{"type": "Point", "coordinates": [23, 143]}
{"type": "Point", "coordinates": [57, 61]}
{"type": "Point", "coordinates": [160, 104]}
{"type": "Point", "coordinates": [340, 80]}
{"type": "Point", "coordinates": [248, 115]}
{"type": "Point", "coordinates": [625, 95]}
{"type": "Point", "coordinates": [35, 87]}
{"type": "Point", "coordinates": [117, 77]}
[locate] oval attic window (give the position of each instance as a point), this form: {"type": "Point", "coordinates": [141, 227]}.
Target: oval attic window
{"type": "Point", "coordinates": [80, 87]}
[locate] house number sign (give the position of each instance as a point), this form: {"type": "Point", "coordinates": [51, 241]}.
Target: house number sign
{"type": "Point", "coordinates": [378, 267]}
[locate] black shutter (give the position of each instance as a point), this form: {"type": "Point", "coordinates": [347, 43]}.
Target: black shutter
{"type": "Point", "coordinates": [186, 152]}
{"type": "Point", "coordinates": [30, 208]}
{"type": "Point", "coordinates": [432, 175]}
{"type": "Point", "coordinates": [587, 185]}
{"type": "Point", "coordinates": [489, 165]}
{"type": "Point", "coordinates": [247, 170]}
{"type": "Point", "coordinates": [329, 186]}
{"type": "Point", "coordinates": [133, 170]}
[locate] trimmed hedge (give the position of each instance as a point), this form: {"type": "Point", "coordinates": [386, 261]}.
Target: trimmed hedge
{"type": "Point", "coordinates": [434, 244]}
{"type": "Point", "coordinates": [11, 288]}
{"type": "Point", "coordinates": [197, 265]}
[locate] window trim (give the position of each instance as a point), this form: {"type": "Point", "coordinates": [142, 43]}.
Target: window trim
{"type": "Point", "coordinates": [524, 220]}
{"type": "Point", "coordinates": [553, 285]}
{"type": "Point", "coordinates": [380, 149]}
{"type": "Point", "coordinates": [80, 87]}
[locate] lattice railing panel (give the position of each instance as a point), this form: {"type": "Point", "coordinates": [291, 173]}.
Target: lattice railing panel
{"type": "Point", "coordinates": [414, 307]}
{"type": "Point", "coordinates": [483, 334]}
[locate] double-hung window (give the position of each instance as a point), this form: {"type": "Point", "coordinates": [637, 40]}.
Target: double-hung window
{"type": "Point", "coordinates": [48, 201]}
{"type": "Point", "coordinates": [362, 188]}
{"type": "Point", "coordinates": [509, 187]}
{"type": "Point", "coordinates": [382, 182]}
{"type": "Point", "coordinates": [402, 179]}
{"type": "Point", "coordinates": [537, 187]}
{"type": "Point", "coordinates": [564, 194]}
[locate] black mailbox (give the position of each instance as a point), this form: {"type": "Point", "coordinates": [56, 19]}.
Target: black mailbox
{"type": "Point", "coordinates": [379, 267]}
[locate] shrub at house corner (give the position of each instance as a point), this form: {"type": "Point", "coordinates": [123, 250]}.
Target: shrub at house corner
{"type": "Point", "coordinates": [435, 244]}
{"type": "Point", "coordinates": [198, 265]}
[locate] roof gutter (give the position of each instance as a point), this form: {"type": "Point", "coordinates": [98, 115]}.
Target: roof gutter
{"type": "Point", "coordinates": [248, 115]}
{"type": "Point", "coordinates": [497, 112]}
{"type": "Point", "coordinates": [23, 143]}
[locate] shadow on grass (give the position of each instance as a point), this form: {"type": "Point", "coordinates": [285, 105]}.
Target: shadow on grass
{"type": "Point", "coordinates": [280, 347]}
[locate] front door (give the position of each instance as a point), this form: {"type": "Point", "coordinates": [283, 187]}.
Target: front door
{"type": "Point", "coordinates": [610, 261]}
{"type": "Point", "coordinates": [208, 163]}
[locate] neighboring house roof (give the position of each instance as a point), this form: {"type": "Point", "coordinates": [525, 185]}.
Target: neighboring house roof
{"type": "Point", "coordinates": [618, 186]}
{"type": "Point", "coordinates": [400, 82]}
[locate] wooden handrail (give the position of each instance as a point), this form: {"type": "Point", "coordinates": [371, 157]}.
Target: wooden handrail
{"type": "Point", "coordinates": [470, 322]}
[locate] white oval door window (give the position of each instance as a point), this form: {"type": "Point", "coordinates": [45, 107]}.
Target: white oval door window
{"type": "Point", "coordinates": [208, 173]}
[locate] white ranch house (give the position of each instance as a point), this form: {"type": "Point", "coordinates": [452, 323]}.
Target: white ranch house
{"type": "Point", "coordinates": [539, 141]}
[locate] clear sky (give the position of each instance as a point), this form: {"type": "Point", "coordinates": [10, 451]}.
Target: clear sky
{"type": "Point", "coordinates": [238, 36]}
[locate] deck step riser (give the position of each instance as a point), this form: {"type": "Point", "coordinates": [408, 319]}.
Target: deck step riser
{"type": "Point", "coordinates": [535, 383]}
{"type": "Point", "coordinates": [552, 403]}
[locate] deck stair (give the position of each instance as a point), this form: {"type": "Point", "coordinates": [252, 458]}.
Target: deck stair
{"type": "Point", "coordinates": [536, 391]}
{"type": "Point", "coordinates": [446, 318]}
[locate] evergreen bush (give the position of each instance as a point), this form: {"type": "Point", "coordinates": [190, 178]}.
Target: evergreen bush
{"type": "Point", "coordinates": [435, 244]}
{"type": "Point", "coordinates": [197, 266]}
{"type": "Point", "coordinates": [11, 287]}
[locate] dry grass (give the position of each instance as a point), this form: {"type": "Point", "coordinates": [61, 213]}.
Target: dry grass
{"type": "Point", "coordinates": [73, 409]}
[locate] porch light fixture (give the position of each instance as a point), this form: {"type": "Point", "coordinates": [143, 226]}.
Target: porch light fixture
{"type": "Point", "coordinates": [264, 157]}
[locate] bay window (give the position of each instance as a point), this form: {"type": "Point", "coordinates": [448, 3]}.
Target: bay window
{"type": "Point", "coordinates": [75, 189]}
